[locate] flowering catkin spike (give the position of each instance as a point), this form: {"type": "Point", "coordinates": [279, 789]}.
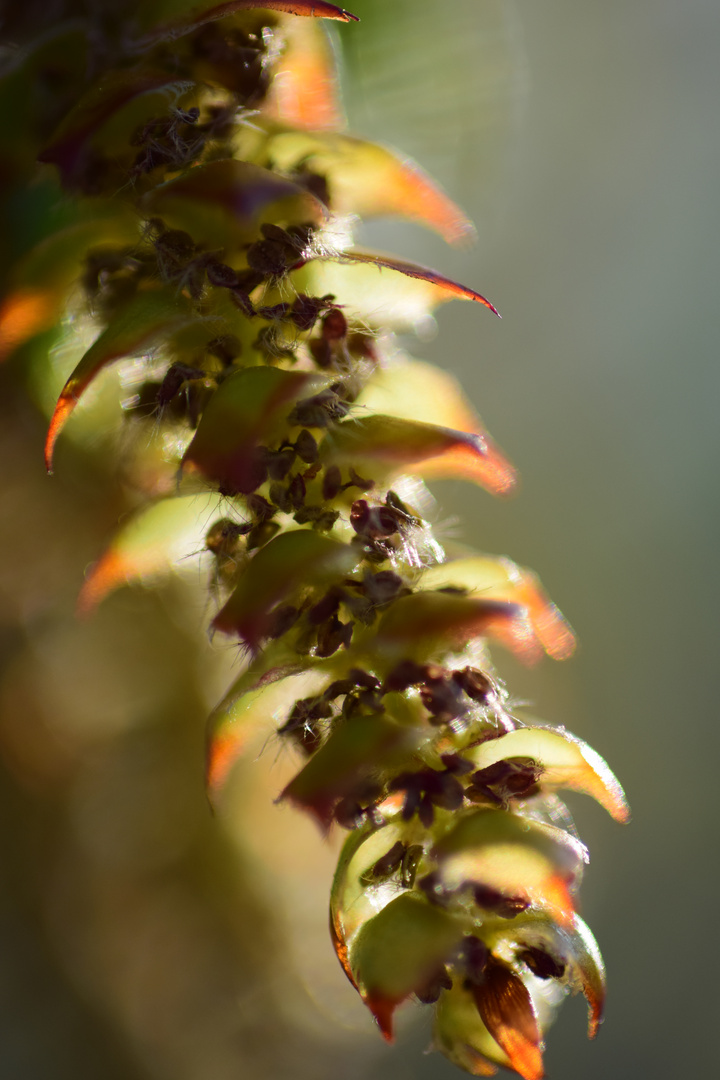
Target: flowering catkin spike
{"type": "Point", "coordinates": [208, 205]}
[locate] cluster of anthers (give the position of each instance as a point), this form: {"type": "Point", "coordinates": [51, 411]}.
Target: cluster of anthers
{"type": "Point", "coordinates": [215, 190]}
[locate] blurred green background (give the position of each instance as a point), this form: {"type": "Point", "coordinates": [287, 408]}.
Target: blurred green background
{"type": "Point", "coordinates": [143, 938]}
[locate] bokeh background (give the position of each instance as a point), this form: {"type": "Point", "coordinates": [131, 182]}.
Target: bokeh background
{"type": "Point", "coordinates": [141, 937]}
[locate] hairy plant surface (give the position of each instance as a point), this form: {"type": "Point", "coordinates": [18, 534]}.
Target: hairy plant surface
{"type": "Point", "coordinates": [208, 251]}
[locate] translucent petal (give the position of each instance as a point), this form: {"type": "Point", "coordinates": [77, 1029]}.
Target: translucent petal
{"type": "Point", "coordinates": [567, 762]}
{"type": "Point", "coordinates": [68, 144]}
{"type": "Point", "coordinates": [515, 855]}
{"type": "Point", "coordinates": [44, 278]}
{"type": "Point", "coordinates": [371, 181]}
{"type": "Point", "coordinates": [232, 729]}
{"type": "Point", "coordinates": [359, 748]}
{"type": "Point", "coordinates": [170, 31]}
{"type": "Point", "coordinates": [429, 623]}
{"type": "Point", "coordinates": [414, 390]}
{"type": "Point", "coordinates": [150, 543]}
{"type": "Point", "coordinates": [461, 1035]}
{"type": "Point", "coordinates": [396, 952]}
{"type": "Point", "coordinates": [249, 407]}
{"type": "Point", "coordinates": [392, 444]}
{"type": "Point", "coordinates": [287, 565]}
{"type": "Point", "coordinates": [452, 289]}
{"type": "Point", "coordinates": [225, 202]}
{"type": "Point", "coordinates": [502, 579]}
{"type": "Point", "coordinates": [352, 901]}
{"type": "Point", "coordinates": [380, 295]}
{"type": "Point", "coordinates": [135, 329]}
{"type": "Point", "coordinates": [507, 1010]}
{"type": "Point", "coordinates": [573, 943]}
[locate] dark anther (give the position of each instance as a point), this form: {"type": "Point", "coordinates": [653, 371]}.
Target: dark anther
{"type": "Point", "coordinates": [492, 900]}
{"type": "Point", "coordinates": [410, 863]}
{"type": "Point", "coordinates": [274, 312]}
{"type": "Point", "coordinates": [395, 503]}
{"type": "Point", "coordinates": [339, 687]}
{"type": "Point", "coordinates": [279, 462]}
{"type": "Point", "coordinates": [349, 814]}
{"type": "Point", "coordinates": [175, 378]}
{"type": "Point", "coordinates": [362, 346]}
{"type": "Point", "coordinates": [507, 779]}
{"type": "Point", "coordinates": [457, 765]}
{"type": "Point", "coordinates": [407, 673]}
{"type": "Point", "coordinates": [310, 708]}
{"type": "Point", "coordinates": [332, 636]}
{"type": "Point", "coordinates": [402, 857]}
{"type": "Point", "coordinates": [359, 482]}
{"type": "Point", "coordinates": [360, 605]}
{"type": "Point", "coordinates": [279, 251]}
{"type": "Point", "coordinates": [224, 534]}
{"type": "Point", "coordinates": [541, 963]}
{"type": "Point", "coordinates": [330, 346]}
{"type": "Point", "coordinates": [424, 790]}
{"type": "Point", "coordinates": [317, 516]}
{"type": "Point", "coordinates": [296, 491]}
{"type": "Point", "coordinates": [326, 607]}
{"type": "Point", "coordinates": [221, 275]}
{"type": "Point", "coordinates": [176, 245]}
{"type": "Point", "coordinates": [320, 410]}
{"type": "Point", "coordinates": [446, 791]}
{"type": "Point", "coordinates": [270, 258]}
{"type": "Point", "coordinates": [325, 520]}
{"type": "Point", "coordinates": [430, 991]}
{"type": "Point", "coordinates": [364, 679]}
{"type": "Point", "coordinates": [373, 522]}
{"type": "Point", "coordinates": [411, 784]}
{"type": "Point", "coordinates": [386, 865]}
{"type": "Point", "coordinates": [261, 534]}
{"type": "Point", "coordinates": [259, 507]}
{"type": "Point", "coordinates": [422, 805]}
{"type": "Point", "coordinates": [361, 702]}
{"type": "Point", "coordinates": [359, 806]}
{"type": "Point", "coordinates": [296, 237]}
{"type": "Point", "coordinates": [306, 447]}
{"type": "Point", "coordinates": [241, 295]}
{"type": "Point", "coordinates": [321, 352]}
{"type": "Point", "coordinates": [383, 587]}
{"type": "Point", "coordinates": [442, 698]}
{"type": "Point", "coordinates": [475, 684]}
{"type": "Point", "coordinates": [279, 496]}
{"type": "Point", "coordinates": [431, 885]}
{"type": "Point", "coordinates": [332, 482]}
{"type": "Point", "coordinates": [164, 141]}
{"type": "Point", "coordinates": [472, 958]}
{"type": "Point", "coordinates": [314, 183]}
{"type": "Point", "coordinates": [334, 326]}
{"type": "Point", "coordinates": [306, 309]}
{"type": "Point", "coordinates": [145, 401]}
{"type": "Point", "coordinates": [303, 723]}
